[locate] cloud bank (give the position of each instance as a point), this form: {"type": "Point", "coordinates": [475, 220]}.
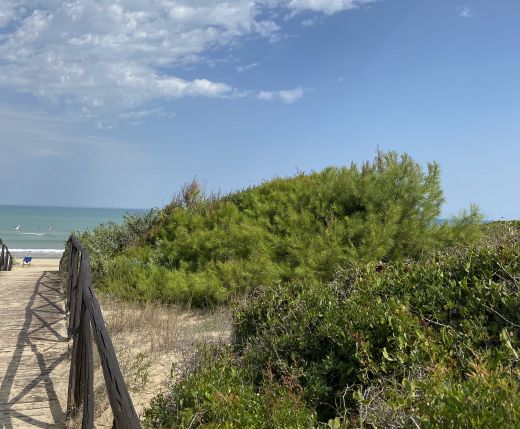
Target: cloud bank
{"type": "Point", "coordinates": [104, 55]}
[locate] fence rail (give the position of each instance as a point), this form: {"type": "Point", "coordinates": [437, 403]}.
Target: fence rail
{"type": "Point", "coordinates": [86, 320]}
{"type": "Point", "coordinates": [6, 259]}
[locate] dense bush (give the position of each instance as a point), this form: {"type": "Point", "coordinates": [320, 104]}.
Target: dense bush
{"type": "Point", "coordinates": [429, 343]}
{"type": "Point", "coordinates": [206, 250]}
{"type": "Point", "coordinates": [220, 393]}
{"type": "Point", "coordinates": [108, 240]}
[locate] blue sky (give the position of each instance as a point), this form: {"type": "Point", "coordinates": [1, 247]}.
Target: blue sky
{"type": "Point", "coordinates": [118, 103]}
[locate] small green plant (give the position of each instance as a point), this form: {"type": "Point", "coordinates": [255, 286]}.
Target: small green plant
{"type": "Point", "coordinates": [139, 371]}
{"type": "Point", "coordinates": [221, 393]}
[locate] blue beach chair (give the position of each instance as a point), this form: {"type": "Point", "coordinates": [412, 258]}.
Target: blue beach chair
{"type": "Point", "coordinates": [26, 261]}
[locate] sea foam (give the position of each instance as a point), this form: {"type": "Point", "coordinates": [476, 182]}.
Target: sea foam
{"type": "Point", "coordinates": [53, 251]}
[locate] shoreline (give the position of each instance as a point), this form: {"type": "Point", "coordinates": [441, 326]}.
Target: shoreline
{"type": "Point", "coordinates": [50, 264]}
{"type": "Point", "coordinates": [19, 254]}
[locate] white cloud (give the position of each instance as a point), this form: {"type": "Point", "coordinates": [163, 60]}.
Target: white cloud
{"type": "Point", "coordinates": [287, 95]}
{"type": "Point", "coordinates": [8, 12]}
{"type": "Point", "coordinates": [140, 114]}
{"type": "Point", "coordinates": [104, 55]}
{"type": "Point", "coordinates": [466, 12]}
{"type": "Point", "coordinates": [246, 67]}
{"type": "Point", "coordinates": [310, 22]}
{"type": "Point", "coordinates": [105, 125]}
{"type": "Point", "coordinates": [46, 136]}
{"type": "Point", "coordinates": [101, 54]}
{"type": "Point", "coordinates": [327, 7]}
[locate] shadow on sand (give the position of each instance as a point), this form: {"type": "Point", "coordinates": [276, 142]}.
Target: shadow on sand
{"type": "Point", "coordinates": [44, 316]}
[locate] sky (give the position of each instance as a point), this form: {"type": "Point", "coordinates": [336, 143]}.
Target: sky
{"type": "Point", "coordinates": [118, 103]}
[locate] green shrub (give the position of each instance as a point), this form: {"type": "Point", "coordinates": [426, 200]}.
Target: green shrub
{"type": "Point", "coordinates": [431, 343]}
{"type": "Point", "coordinates": [368, 325]}
{"type": "Point", "coordinates": [137, 279]}
{"type": "Point", "coordinates": [484, 398]}
{"type": "Point", "coordinates": [220, 394]}
{"type": "Point", "coordinates": [304, 228]}
{"type": "Point", "coordinates": [108, 240]}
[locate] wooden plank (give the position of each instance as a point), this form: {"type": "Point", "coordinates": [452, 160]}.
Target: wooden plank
{"type": "Point", "coordinates": [34, 316]}
{"type": "Point", "coordinates": [6, 259]}
{"type": "Point", "coordinates": [36, 347]}
{"type": "Point", "coordinates": [32, 383]}
{"type": "Point", "coordinates": [85, 313]}
{"type": "Point", "coordinates": [38, 393]}
{"type": "Point", "coordinates": [28, 406]}
{"type": "Point", "coordinates": [76, 301]}
{"type": "Point", "coordinates": [119, 398]}
{"type": "Point", "coordinates": [33, 354]}
{"type": "Point", "coordinates": [87, 371]}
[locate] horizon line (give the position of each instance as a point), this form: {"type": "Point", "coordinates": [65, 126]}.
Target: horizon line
{"type": "Point", "coordinates": [75, 207]}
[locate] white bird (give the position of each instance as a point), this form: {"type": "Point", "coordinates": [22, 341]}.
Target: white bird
{"type": "Point", "coordinates": [17, 227]}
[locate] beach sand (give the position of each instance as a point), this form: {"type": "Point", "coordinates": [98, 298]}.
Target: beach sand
{"type": "Point", "coordinates": [39, 264]}
{"type": "Point", "coordinates": [41, 342]}
{"type": "Point", "coordinates": [151, 341]}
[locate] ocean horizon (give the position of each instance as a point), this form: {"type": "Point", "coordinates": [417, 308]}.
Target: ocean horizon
{"type": "Point", "coordinates": [42, 231]}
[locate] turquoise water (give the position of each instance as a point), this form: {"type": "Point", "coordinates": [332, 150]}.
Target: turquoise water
{"type": "Point", "coordinates": [44, 230]}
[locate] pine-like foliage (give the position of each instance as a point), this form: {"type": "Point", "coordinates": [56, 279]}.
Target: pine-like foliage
{"type": "Point", "coordinates": [304, 227]}
{"type": "Point", "coordinates": [432, 343]}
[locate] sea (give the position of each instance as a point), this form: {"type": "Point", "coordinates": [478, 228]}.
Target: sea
{"type": "Point", "coordinates": [41, 232]}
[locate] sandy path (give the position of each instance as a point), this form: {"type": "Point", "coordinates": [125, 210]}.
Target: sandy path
{"type": "Point", "coordinates": [151, 342]}
{"type": "Point", "coordinates": [33, 347]}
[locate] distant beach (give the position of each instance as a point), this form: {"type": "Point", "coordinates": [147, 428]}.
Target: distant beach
{"type": "Point", "coordinates": [42, 231]}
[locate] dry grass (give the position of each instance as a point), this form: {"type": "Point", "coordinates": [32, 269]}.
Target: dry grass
{"type": "Point", "coordinates": [152, 342]}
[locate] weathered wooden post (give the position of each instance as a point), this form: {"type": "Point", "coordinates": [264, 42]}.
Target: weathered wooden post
{"type": "Point", "coordinates": [85, 321]}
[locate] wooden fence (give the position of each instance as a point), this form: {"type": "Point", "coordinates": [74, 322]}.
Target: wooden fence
{"type": "Point", "coordinates": [85, 320]}
{"type": "Point", "coordinates": [6, 259]}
